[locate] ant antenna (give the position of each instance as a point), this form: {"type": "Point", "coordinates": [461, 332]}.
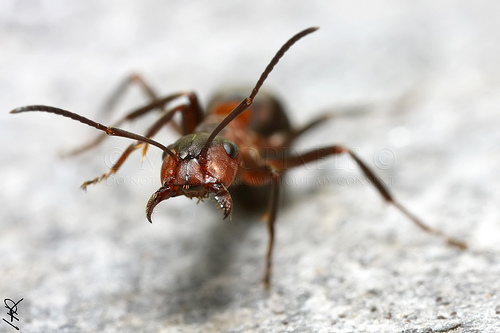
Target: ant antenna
{"type": "Point", "coordinates": [245, 104]}
{"type": "Point", "coordinates": [113, 131]}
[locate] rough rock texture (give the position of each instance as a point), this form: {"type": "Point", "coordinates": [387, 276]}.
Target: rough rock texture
{"type": "Point", "coordinates": [427, 77]}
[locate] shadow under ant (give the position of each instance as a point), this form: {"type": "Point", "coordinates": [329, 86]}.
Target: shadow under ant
{"type": "Point", "coordinates": [209, 284]}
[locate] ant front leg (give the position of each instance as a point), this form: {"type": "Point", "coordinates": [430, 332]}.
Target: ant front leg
{"type": "Point", "coordinates": [156, 103]}
{"type": "Point", "coordinates": [133, 79]}
{"type": "Point", "coordinates": [189, 116]}
{"type": "Point", "coordinates": [288, 162]}
{"type": "Point", "coordinates": [159, 103]}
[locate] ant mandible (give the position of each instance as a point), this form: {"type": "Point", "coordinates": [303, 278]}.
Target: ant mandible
{"type": "Point", "coordinates": [227, 146]}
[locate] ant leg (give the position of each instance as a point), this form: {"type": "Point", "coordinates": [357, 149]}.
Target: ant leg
{"type": "Point", "coordinates": [192, 117]}
{"type": "Point", "coordinates": [273, 209]}
{"type": "Point", "coordinates": [119, 92]}
{"type": "Point", "coordinates": [153, 129]}
{"type": "Point", "coordinates": [114, 131]}
{"type": "Point", "coordinates": [343, 112]}
{"type": "Point", "coordinates": [109, 105]}
{"type": "Point", "coordinates": [295, 133]}
{"type": "Point", "coordinates": [288, 162]}
{"type": "Point", "coordinates": [264, 175]}
{"type": "Point", "coordinates": [156, 104]}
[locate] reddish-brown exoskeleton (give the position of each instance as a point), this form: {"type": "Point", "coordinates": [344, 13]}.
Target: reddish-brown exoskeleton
{"type": "Point", "coordinates": [227, 146]}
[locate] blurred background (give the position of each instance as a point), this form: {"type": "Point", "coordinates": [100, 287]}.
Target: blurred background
{"type": "Point", "coordinates": [416, 86]}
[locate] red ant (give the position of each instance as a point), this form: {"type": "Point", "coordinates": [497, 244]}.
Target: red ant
{"type": "Point", "coordinates": [227, 146]}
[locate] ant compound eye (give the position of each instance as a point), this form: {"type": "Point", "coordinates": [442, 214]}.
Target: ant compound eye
{"type": "Point", "coordinates": [230, 148]}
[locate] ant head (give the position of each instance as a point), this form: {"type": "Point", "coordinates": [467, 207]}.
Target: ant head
{"type": "Point", "coordinates": [201, 163]}
{"type": "Point", "coordinates": [196, 175]}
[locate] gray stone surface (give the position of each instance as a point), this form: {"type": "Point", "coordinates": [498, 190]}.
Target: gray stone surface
{"type": "Point", "coordinates": [429, 75]}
